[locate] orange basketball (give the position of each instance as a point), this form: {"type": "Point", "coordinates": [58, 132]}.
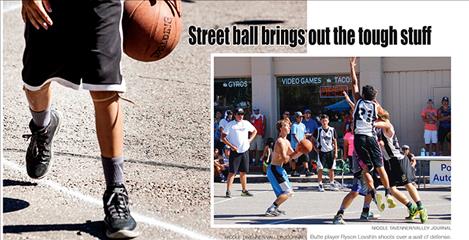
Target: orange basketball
{"type": "Point", "coordinates": [152, 28]}
{"type": "Point", "coordinates": [305, 146]}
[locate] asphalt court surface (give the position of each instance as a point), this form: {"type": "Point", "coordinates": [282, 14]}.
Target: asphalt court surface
{"type": "Point", "coordinates": [167, 138]}
{"type": "Point", "coordinates": [308, 206]}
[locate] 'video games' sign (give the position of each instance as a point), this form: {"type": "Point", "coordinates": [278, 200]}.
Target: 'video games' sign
{"type": "Point", "coordinates": [321, 80]}
{"type": "Point", "coordinates": [440, 172]}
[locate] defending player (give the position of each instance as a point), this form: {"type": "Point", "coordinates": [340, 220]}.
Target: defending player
{"type": "Point", "coordinates": [359, 187]}
{"type": "Point", "coordinates": [277, 176]}
{"type": "Point", "coordinates": [399, 169]}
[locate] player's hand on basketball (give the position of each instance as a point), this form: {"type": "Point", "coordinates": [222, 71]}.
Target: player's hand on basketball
{"type": "Point", "coordinates": [35, 11]}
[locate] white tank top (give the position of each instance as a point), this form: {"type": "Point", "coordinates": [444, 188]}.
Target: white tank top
{"type": "Point", "coordinates": [364, 115]}
{"type": "Point", "coordinates": [391, 147]}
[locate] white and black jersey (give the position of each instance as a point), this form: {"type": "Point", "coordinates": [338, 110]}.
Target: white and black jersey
{"type": "Point", "coordinates": [325, 138]}
{"type": "Point", "coordinates": [364, 115]}
{"type": "Point", "coordinates": [391, 147]}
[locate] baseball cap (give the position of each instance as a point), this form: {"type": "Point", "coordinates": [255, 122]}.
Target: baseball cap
{"type": "Point", "coordinates": [307, 111]}
{"type": "Point", "coordinates": [239, 111]}
{"type": "Point", "coordinates": [405, 147]}
{"type": "Point", "coordinates": [298, 114]}
{"type": "Point", "coordinates": [445, 99]}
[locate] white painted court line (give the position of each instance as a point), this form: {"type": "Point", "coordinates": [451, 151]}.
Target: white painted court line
{"type": "Point", "coordinates": [233, 198]}
{"type": "Point", "coordinates": [139, 217]}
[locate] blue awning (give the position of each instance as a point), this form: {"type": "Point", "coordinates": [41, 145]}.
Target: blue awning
{"type": "Point", "coordinates": [339, 106]}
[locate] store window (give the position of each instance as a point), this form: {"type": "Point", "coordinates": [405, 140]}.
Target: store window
{"type": "Point", "coordinates": [231, 93]}
{"type": "Point", "coordinates": [319, 93]}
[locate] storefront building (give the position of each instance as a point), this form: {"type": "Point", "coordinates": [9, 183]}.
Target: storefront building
{"type": "Point", "coordinates": [278, 84]}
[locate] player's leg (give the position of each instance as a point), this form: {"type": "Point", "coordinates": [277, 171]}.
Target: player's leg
{"type": "Point", "coordinates": [320, 167]}
{"type": "Point", "coordinates": [330, 162]}
{"type": "Point", "coordinates": [109, 130]}
{"type": "Point", "coordinates": [366, 214]}
{"type": "Point", "coordinates": [234, 162]}
{"type": "Point", "coordinates": [44, 125]}
{"type": "Point", "coordinates": [421, 210]}
{"type": "Point", "coordinates": [346, 202]}
{"type": "Point", "coordinates": [243, 169]}
{"type": "Point", "coordinates": [282, 188]}
{"type": "Point", "coordinates": [427, 140]}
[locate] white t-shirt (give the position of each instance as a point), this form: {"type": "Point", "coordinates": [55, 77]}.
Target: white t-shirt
{"type": "Point", "coordinates": [223, 123]}
{"type": "Point", "coordinates": [237, 134]}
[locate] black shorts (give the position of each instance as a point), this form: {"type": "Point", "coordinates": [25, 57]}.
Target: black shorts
{"type": "Point", "coordinates": [399, 171]}
{"type": "Point", "coordinates": [368, 151]}
{"type": "Point", "coordinates": [83, 47]}
{"type": "Point", "coordinates": [239, 161]}
{"type": "Point", "coordinates": [326, 160]}
{"type": "Point", "coordinates": [442, 133]}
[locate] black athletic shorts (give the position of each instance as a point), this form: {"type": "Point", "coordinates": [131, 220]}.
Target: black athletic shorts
{"type": "Point", "coordinates": [399, 171]}
{"type": "Point", "coordinates": [368, 151]}
{"type": "Point", "coordinates": [326, 160]}
{"type": "Point", "coordinates": [239, 161]}
{"type": "Point", "coordinates": [83, 46]}
{"type": "Point", "coordinates": [442, 133]}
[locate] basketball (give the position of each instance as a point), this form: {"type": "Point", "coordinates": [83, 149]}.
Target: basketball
{"type": "Point", "coordinates": [305, 146]}
{"type": "Point", "coordinates": [151, 28]}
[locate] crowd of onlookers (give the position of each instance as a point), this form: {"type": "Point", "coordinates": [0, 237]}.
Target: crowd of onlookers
{"type": "Point", "coordinates": [437, 132]}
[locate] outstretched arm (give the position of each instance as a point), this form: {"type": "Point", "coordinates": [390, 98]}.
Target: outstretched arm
{"type": "Point", "coordinates": [353, 75]}
{"type": "Point", "coordinates": [349, 101]}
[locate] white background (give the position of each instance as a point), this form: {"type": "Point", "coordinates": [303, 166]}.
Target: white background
{"type": "Point", "coordinates": [449, 38]}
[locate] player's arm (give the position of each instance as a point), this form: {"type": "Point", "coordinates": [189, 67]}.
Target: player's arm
{"type": "Point", "coordinates": [264, 125]}
{"type": "Point", "coordinates": [353, 75]}
{"type": "Point", "coordinates": [294, 154]}
{"type": "Point", "coordinates": [335, 145]}
{"type": "Point", "coordinates": [349, 101]}
{"type": "Point", "coordinates": [35, 12]}
{"type": "Point", "coordinates": [253, 135]}
{"type": "Point", "coordinates": [225, 140]}
{"type": "Point", "coordinates": [382, 125]}
{"type": "Point", "coordinates": [424, 117]}
{"type": "Point", "coordinates": [314, 141]}
{"type": "Point", "coordinates": [345, 149]}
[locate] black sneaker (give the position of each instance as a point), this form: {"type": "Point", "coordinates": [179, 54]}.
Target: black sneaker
{"type": "Point", "coordinates": [118, 221]}
{"type": "Point", "coordinates": [39, 152]}
{"type": "Point", "coordinates": [295, 174]}
{"type": "Point", "coordinates": [246, 193]}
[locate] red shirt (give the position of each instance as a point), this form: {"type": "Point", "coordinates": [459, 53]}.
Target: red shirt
{"type": "Point", "coordinates": [258, 124]}
{"type": "Point", "coordinates": [430, 124]}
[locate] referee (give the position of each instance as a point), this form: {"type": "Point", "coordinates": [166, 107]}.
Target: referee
{"type": "Point", "coordinates": [236, 136]}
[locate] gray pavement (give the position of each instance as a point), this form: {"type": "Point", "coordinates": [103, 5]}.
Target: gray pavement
{"type": "Point", "coordinates": [167, 138]}
{"type": "Point", "coordinates": [308, 206]}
